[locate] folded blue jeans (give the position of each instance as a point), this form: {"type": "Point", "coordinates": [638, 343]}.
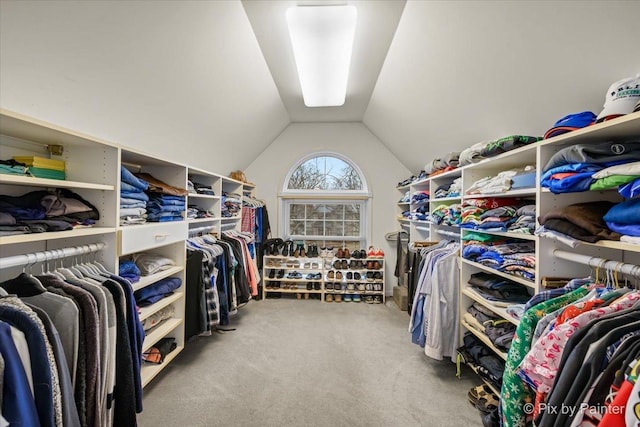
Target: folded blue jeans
{"type": "Point", "coordinates": [129, 178]}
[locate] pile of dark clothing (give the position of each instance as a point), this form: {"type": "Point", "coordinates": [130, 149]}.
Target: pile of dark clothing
{"type": "Point", "coordinates": [44, 211]}
{"type": "Point", "coordinates": [166, 202]}
{"type": "Point", "coordinates": [196, 188]}
{"type": "Point", "coordinates": [474, 353]}
{"type": "Point", "coordinates": [501, 292]}
{"type": "Point", "coordinates": [497, 329]}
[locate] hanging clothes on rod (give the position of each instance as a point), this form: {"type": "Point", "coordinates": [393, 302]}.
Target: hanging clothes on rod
{"type": "Point", "coordinates": [576, 347]}
{"type": "Point", "coordinates": [434, 320]}
{"type": "Point", "coordinates": [84, 339]}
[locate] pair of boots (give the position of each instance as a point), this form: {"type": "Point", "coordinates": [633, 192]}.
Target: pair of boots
{"type": "Point", "coordinates": [311, 252]}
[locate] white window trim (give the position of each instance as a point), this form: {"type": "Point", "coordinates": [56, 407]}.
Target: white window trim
{"type": "Point", "coordinates": [288, 196]}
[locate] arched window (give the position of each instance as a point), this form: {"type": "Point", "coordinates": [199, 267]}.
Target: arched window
{"type": "Point", "coordinates": [324, 202]}
{"type": "Point", "coordinates": [326, 173]}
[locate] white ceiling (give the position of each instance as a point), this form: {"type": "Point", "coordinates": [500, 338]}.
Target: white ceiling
{"type": "Point", "coordinates": [377, 22]}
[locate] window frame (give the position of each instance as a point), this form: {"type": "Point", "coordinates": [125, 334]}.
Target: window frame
{"type": "Point", "coordinates": [292, 196]}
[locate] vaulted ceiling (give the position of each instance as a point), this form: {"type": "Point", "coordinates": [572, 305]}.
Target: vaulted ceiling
{"type": "Point", "coordinates": [212, 83]}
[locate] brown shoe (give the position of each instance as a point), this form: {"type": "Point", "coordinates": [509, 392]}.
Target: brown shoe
{"type": "Point", "coordinates": [346, 253]}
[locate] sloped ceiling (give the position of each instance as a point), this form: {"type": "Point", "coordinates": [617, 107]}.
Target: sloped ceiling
{"type": "Point", "coordinates": [460, 72]}
{"type": "Point", "coordinates": [184, 80]}
{"type": "Point", "coordinates": [377, 22]}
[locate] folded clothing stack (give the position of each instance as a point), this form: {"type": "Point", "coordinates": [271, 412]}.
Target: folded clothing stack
{"type": "Point", "coordinates": [504, 181]}
{"type": "Point", "coordinates": [151, 263]}
{"type": "Point", "coordinates": [157, 318]}
{"type": "Point", "coordinates": [446, 215]}
{"type": "Point", "coordinates": [129, 270]}
{"type": "Point", "coordinates": [499, 291]}
{"type": "Point", "coordinates": [498, 330]}
{"type": "Point", "coordinates": [406, 198]}
{"type": "Point", "coordinates": [449, 190]}
{"type": "Point", "coordinates": [450, 161]}
{"type": "Point", "coordinates": [473, 209]}
{"type": "Point", "coordinates": [165, 207]}
{"type": "Point", "coordinates": [474, 352]}
{"type": "Point", "coordinates": [133, 199]}
{"type": "Point", "coordinates": [156, 291]}
{"type": "Point", "coordinates": [594, 166]}
{"type": "Point", "coordinates": [624, 218]}
{"type": "Point", "coordinates": [194, 212]}
{"type": "Point", "coordinates": [201, 188]}
{"type": "Point", "coordinates": [41, 167]}
{"type": "Point", "coordinates": [413, 178]}
{"type": "Point", "coordinates": [482, 150]}
{"type": "Point", "coordinates": [419, 206]}
{"type": "Point", "coordinates": [44, 211]}
{"type": "Point", "coordinates": [231, 205]}
{"type": "Point", "coordinates": [517, 258]}
{"type": "Point", "coordinates": [580, 221]}
{"type": "Point", "coordinates": [12, 167]}
{"type": "Point", "coordinates": [525, 220]}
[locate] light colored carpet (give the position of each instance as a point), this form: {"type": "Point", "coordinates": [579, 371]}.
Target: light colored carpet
{"type": "Point", "coordinates": [306, 363]}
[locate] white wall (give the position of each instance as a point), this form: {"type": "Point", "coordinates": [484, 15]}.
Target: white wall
{"type": "Point", "coordinates": [381, 169]}
{"type": "Point", "coordinates": [185, 80]}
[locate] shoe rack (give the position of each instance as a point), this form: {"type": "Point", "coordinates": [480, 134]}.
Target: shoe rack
{"type": "Point", "coordinates": [334, 278]}
{"type": "Point", "coordinates": [290, 275]}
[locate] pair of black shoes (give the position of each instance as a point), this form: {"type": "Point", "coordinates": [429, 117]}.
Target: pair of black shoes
{"type": "Point", "coordinates": [312, 286]}
{"type": "Point", "coordinates": [273, 246]}
{"type": "Point", "coordinates": [361, 254]}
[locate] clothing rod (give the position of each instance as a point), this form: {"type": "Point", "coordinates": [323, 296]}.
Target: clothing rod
{"type": "Point", "coordinates": [595, 262]}
{"type": "Point", "coordinates": [49, 255]}
{"type": "Point", "coordinates": [202, 229]}
{"type": "Point", "coordinates": [448, 233]}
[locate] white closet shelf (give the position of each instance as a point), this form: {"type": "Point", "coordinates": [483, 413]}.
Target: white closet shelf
{"type": "Point", "coordinates": [343, 291]}
{"type": "Point", "coordinates": [511, 193]}
{"type": "Point", "coordinates": [485, 339]}
{"type": "Point", "coordinates": [508, 234]}
{"type": "Point", "coordinates": [284, 279]}
{"type": "Point", "coordinates": [149, 371]}
{"type": "Point", "coordinates": [513, 158]}
{"type": "Point", "coordinates": [444, 199]}
{"type": "Point", "coordinates": [149, 310]}
{"type": "Point", "coordinates": [52, 235]}
{"type": "Point", "coordinates": [402, 219]}
{"type": "Point", "coordinates": [453, 173]}
{"type": "Point", "coordinates": [500, 311]}
{"type": "Point", "coordinates": [511, 277]}
{"type": "Point", "coordinates": [202, 196]}
{"type": "Point", "coordinates": [420, 221]}
{"type": "Point", "coordinates": [404, 203]}
{"type": "Point", "coordinates": [153, 278]}
{"type": "Point", "coordinates": [403, 187]}
{"type": "Point", "coordinates": [197, 220]}
{"type": "Point", "coordinates": [294, 291]}
{"type": "Point", "coordinates": [620, 127]}
{"type": "Point", "coordinates": [231, 218]}
{"type": "Point", "coordinates": [160, 331]}
{"type": "Point", "coordinates": [52, 183]}
{"type": "Point", "coordinates": [612, 244]}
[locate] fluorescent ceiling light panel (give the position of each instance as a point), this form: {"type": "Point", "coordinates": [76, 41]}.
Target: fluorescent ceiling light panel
{"type": "Point", "coordinates": [322, 39]}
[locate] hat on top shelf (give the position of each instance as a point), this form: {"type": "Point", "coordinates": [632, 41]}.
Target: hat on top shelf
{"type": "Point", "coordinates": [571, 122]}
{"type": "Point", "coordinates": [622, 98]}
{"type": "Point", "coordinates": [238, 175]}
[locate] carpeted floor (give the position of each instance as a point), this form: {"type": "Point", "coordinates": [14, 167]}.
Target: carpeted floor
{"type": "Point", "coordinates": [306, 363]}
